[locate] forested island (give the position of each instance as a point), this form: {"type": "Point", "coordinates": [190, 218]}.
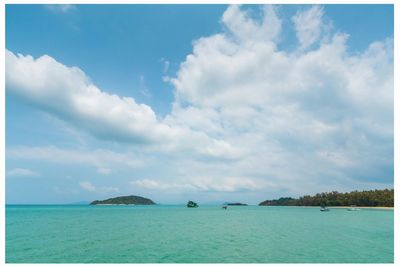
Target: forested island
{"type": "Point", "coordinates": [372, 198]}
{"type": "Point", "coordinates": [236, 204]}
{"type": "Point", "coordinates": [124, 200]}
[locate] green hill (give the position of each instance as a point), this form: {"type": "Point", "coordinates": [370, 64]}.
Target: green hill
{"type": "Point", "coordinates": [372, 198]}
{"type": "Point", "coordinates": [136, 200]}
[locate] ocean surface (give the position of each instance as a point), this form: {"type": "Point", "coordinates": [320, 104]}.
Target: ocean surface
{"type": "Point", "coordinates": [208, 234]}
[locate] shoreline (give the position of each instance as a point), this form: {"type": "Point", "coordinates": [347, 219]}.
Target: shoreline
{"type": "Point", "coordinates": [112, 204]}
{"type": "Point", "coordinates": [335, 207]}
{"type": "Point", "coordinates": [362, 207]}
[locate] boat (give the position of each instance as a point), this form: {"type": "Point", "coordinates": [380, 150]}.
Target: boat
{"type": "Point", "coordinates": [353, 208]}
{"type": "Point", "coordinates": [192, 204]}
{"type": "Point", "coordinates": [323, 208]}
{"type": "Point", "coordinates": [225, 207]}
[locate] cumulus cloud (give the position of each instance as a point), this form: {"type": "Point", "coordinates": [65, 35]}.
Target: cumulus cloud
{"type": "Point", "coordinates": [308, 25]}
{"type": "Point", "coordinates": [21, 172]}
{"type": "Point", "coordinates": [68, 94]}
{"type": "Point", "coordinates": [246, 29]}
{"type": "Point", "coordinates": [318, 118]}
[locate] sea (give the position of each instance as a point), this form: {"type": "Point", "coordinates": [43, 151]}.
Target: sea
{"type": "Point", "coordinates": [207, 234]}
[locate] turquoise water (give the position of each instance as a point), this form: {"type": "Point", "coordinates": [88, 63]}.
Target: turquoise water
{"type": "Point", "coordinates": [208, 234]}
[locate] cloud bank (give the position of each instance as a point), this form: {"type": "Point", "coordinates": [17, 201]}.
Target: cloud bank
{"type": "Point", "coordinates": [69, 94]}
{"type": "Point", "coordinates": [22, 172]}
{"type": "Point", "coordinates": [313, 119]}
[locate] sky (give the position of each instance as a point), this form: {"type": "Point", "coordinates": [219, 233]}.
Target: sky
{"type": "Point", "coordinates": [210, 103]}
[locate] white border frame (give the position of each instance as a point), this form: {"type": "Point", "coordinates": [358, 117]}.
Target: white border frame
{"type": "Point", "coordinates": [395, 102]}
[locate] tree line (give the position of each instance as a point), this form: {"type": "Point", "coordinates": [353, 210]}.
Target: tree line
{"type": "Point", "coordinates": [371, 198]}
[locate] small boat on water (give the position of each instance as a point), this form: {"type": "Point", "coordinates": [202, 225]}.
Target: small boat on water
{"type": "Point", "coordinates": [353, 208]}
{"type": "Point", "coordinates": [192, 204]}
{"type": "Point", "coordinates": [323, 208]}
{"type": "Point", "coordinates": [225, 207]}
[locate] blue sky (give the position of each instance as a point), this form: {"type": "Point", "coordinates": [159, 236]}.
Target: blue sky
{"type": "Point", "coordinates": [206, 102]}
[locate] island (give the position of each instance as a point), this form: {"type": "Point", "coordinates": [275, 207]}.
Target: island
{"type": "Point", "coordinates": [371, 198]}
{"type": "Point", "coordinates": [236, 204]}
{"type": "Point", "coordinates": [124, 200]}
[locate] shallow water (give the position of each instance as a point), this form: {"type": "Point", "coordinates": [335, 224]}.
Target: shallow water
{"type": "Point", "coordinates": [208, 234]}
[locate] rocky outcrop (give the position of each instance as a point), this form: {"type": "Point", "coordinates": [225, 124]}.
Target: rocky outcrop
{"type": "Point", "coordinates": [192, 204]}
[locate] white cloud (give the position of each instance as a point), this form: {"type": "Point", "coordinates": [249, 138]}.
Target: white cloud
{"type": "Point", "coordinates": [60, 8]}
{"type": "Point", "coordinates": [308, 25]}
{"type": "Point", "coordinates": [308, 118]}
{"type": "Point", "coordinates": [246, 29]}
{"type": "Point", "coordinates": [303, 121]}
{"type": "Point", "coordinates": [227, 184]}
{"type": "Point", "coordinates": [21, 172]}
{"type": "Point", "coordinates": [46, 83]}
{"type": "Point", "coordinates": [88, 186]}
{"type": "Point", "coordinates": [104, 171]}
{"type": "Point", "coordinates": [143, 88]}
{"type": "Point", "coordinates": [166, 65]}
{"type": "Point", "coordinates": [98, 158]}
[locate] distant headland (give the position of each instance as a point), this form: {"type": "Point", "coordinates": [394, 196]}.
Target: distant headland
{"type": "Point", "coordinates": [124, 200]}
{"type": "Point", "coordinates": [372, 198]}
{"type": "Point", "coordinates": [236, 204]}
